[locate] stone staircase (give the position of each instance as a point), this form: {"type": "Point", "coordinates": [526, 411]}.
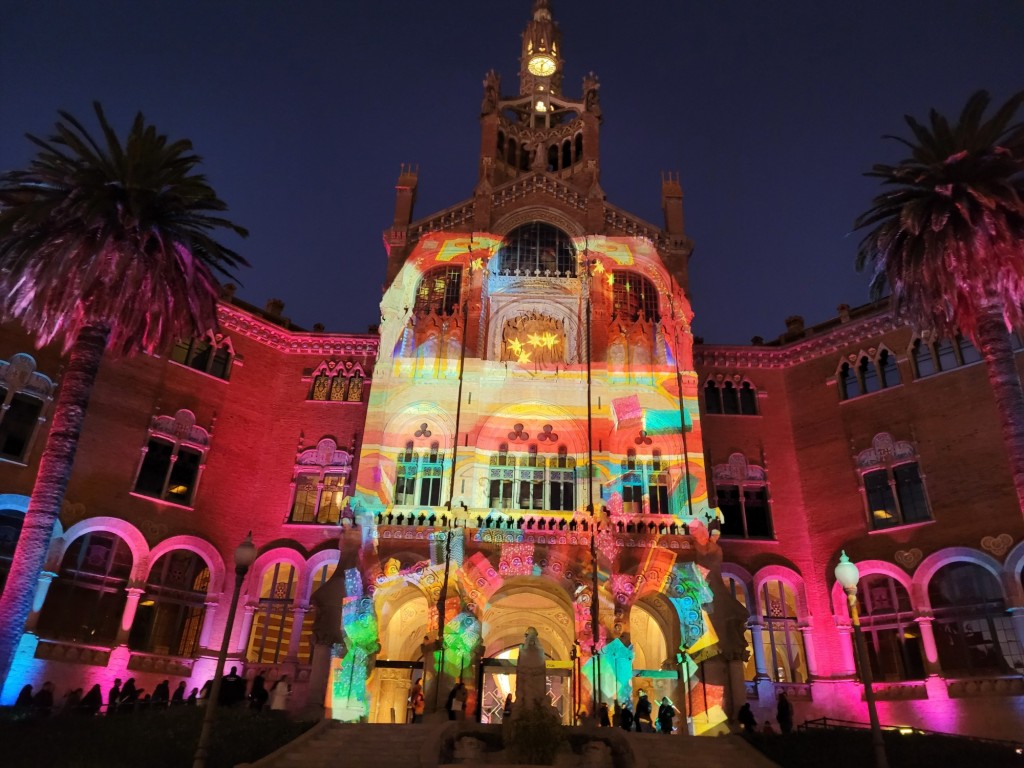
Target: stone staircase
{"type": "Point", "coordinates": [331, 744]}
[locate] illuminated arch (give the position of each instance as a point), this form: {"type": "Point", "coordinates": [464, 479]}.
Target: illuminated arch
{"type": "Point", "coordinates": [202, 548]}
{"type": "Point", "coordinates": [869, 568]}
{"type": "Point", "coordinates": [571, 430]}
{"type": "Point", "coordinates": [791, 579]}
{"type": "Point", "coordinates": [937, 560]}
{"type": "Point", "coordinates": [525, 601]}
{"type": "Point", "coordinates": [126, 531]}
{"type": "Point", "coordinates": [540, 213]}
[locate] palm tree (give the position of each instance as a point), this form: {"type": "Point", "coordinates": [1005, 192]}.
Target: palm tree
{"type": "Point", "coordinates": [947, 237]}
{"type": "Point", "coordinates": [104, 247]}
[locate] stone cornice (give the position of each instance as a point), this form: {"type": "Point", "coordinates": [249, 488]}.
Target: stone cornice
{"type": "Point", "coordinates": [800, 351]}
{"type": "Point", "coordinates": [235, 320]}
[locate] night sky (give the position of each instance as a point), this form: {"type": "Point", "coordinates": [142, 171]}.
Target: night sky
{"type": "Point", "coordinates": [303, 112]}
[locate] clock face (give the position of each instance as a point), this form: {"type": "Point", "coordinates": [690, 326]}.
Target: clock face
{"type": "Point", "coordinates": [542, 66]}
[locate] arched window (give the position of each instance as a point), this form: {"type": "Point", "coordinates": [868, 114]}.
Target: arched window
{"type": "Point", "coordinates": [933, 355]}
{"type": "Point", "coordinates": [742, 491]}
{"type": "Point", "coordinates": [891, 633]}
{"type": "Point", "coordinates": [712, 398]}
{"type": "Point", "coordinates": [633, 297]}
{"type": "Point", "coordinates": [209, 354]}
{"type": "Point", "coordinates": [501, 473]}
{"type": "Point", "coordinates": [86, 600]}
{"type": "Point", "coordinates": [23, 394]}
{"type": "Point", "coordinates": [973, 632]}
{"type": "Point", "coordinates": [170, 613]}
{"type": "Point", "coordinates": [924, 362]}
{"type": "Point", "coordinates": [537, 249]}
{"type": "Point", "coordinates": [730, 395]}
{"type": "Point", "coordinates": [272, 622]}
{"type": "Point", "coordinates": [783, 644]}
{"type": "Point", "coordinates": [865, 373]}
{"type": "Point", "coordinates": [439, 290]}
{"type": "Point", "coordinates": [173, 459]}
{"type": "Point", "coordinates": [530, 481]}
{"type": "Point", "coordinates": [893, 487]}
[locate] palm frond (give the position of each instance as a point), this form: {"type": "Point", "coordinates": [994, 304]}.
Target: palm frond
{"type": "Point", "coordinates": [113, 233]}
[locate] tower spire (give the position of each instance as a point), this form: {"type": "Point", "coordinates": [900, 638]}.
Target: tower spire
{"type": "Point", "coordinates": [540, 72]}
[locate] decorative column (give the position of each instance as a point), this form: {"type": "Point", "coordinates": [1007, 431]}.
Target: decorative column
{"type": "Point", "coordinates": [298, 617]}
{"type": "Point", "coordinates": [209, 610]}
{"type": "Point", "coordinates": [931, 650]}
{"type": "Point", "coordinates": [42, 588]}
{"type": "Point", "coordinates": [807, 635]}
{"type": "Point", "coordinates": [128, 616]}
{"type": "Point", "coordinates": [757, 642]}
{"type": "Point", "coordinates": [848, 666]}
{"type": "Point", "coordinates": [241, 639]}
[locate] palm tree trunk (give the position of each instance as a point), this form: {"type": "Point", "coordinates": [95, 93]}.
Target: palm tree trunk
{"type": "Point", "coordinates": [50, 486]}
{"type": "Point", "coordinates": [1004, 379]}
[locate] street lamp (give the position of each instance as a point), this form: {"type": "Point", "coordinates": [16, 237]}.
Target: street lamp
{"type": "Point", "coordinates": [848, 575]}
{"type": "Point", "coordinates": [245, 555]}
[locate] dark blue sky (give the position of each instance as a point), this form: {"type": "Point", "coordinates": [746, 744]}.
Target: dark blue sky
{"type": "Point", "coordinates": [304, 110]}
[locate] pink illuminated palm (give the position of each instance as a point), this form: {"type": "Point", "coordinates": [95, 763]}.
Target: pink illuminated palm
{"type": "Point", "coordinates": [104, 247]}
{"type": "Point", "coordinates": [947, 237]}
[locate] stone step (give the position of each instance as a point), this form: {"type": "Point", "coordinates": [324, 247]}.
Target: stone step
{"type": "Point", "coordinates": [399, 746]}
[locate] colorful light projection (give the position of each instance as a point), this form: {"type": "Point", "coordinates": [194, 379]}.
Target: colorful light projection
{"type": "Point", "coordinates": [349, 682]}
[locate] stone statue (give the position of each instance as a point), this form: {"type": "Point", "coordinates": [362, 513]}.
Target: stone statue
{"type": "Point", "coordinates": [492, 90]}
{"type": "Point", "coordinates": [531, 675]}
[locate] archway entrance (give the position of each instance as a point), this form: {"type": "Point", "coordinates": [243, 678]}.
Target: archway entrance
{"type": "Point", "coordinates": [519, 605]}
{"type": "Point", "coordinates": [402, 622]}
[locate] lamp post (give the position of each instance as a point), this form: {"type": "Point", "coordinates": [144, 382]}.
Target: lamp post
{"type": "Point", "coordinates": [245, 555]}
{"type": "Point", "coordinates": [848, 575]}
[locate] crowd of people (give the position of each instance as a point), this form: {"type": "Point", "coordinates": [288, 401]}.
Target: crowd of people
{"type": "Point", "coordinates": [124, 698]}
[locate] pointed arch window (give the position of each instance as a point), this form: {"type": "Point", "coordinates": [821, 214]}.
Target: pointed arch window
{"type": "Point", "coordinates": [742, 491]}
{"type": "Point", "coordinates": [438, 290]}
{"type": "Point", "coordinates": [24, 394]}
{"type": "Point", "coordinates": [732, 395]}
{"type": "Point", "coordinates": [337, 382]}
{"type": "Point", "coordinates": [894, 492]}
{"type": "Point", "coordinates": [933, 355]}
{"type": "Point", "coordinates": [173, 459]}
{"type": "Point", "coordinates": [212, 354]}
{"type": "Point", "coordinates": [867, 372]}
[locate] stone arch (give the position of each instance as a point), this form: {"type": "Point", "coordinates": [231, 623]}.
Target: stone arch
{"type": "Point", "coordinates": [403, 619]}
{"type": "Point", "coordinates": [543, 214]}
{"type": "Point", "coordinates": [840, 606]}
{"type": "Point", "coordinates": [743, 578]}
{"type": "Point", "coordinates": [522, 602]}
{"type": "Point", "coordinates": [662, 614]}
{"type": "Point", "coordinates": [209, 553]}
{"type": "Point", "coordinates": [931, 564]}
{"type": "Point", "coordinates": [129, 533]}
{"type": "Point", "coordinates": [788, 576]}
{"type": "Point", "coordinates": [276, 555]}
{"type": "Point", "coordinates": [313, 565]}
{"type": "Point", "coordinates": [1013, 567]}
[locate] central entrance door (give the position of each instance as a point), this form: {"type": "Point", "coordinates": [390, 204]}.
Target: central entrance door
{"type": "Point", "coordinates": [394, 680]}
{"type": "Point", "coordinates": [496, 679]}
